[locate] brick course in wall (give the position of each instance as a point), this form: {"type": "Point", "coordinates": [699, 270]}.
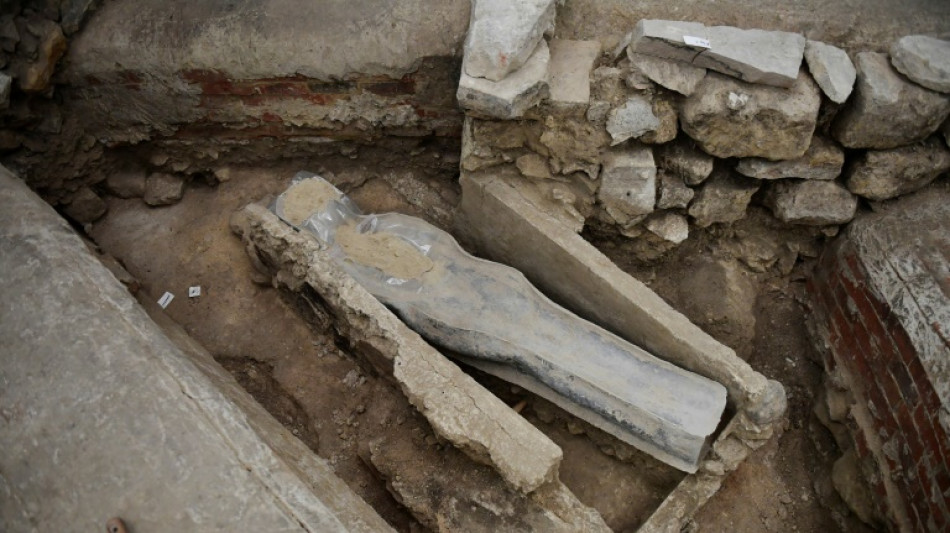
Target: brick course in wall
{"type": "Point", "coordinates": [884, 332]}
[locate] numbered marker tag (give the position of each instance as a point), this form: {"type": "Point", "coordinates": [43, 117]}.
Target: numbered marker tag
{"type": "Point", "coordinates": [166, 299]}
{"type": "Point", "coordinates": [194, 292]}
{"type": "Point", "coordinates": [696, 41]}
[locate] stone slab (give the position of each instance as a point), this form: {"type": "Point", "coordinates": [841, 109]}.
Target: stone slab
{"type": "Point", "coordinates": [674, 75]}
{"type": "Point", "coordinates": [924, 60]}
{"type": "Point", "coordinates": [503, 34]}
{"type": "Point", "coordinates": [569, 73]}
{"type": "Point", "coordinates": [754, 56]}
{"type": "Point", "coordinates": [512, 96]}
{"type": "Point", "coordinates": [107, 415]}
{"type": "Point", "coordinates": [665, 38]}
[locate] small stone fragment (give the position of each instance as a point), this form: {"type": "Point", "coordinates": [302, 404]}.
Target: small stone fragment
{"type": "Point", "coordinates": [670, 73]}
{"type": "Point", "coordinates": [512, 96]}
{"type": "Point", "coordinates": [665, 111]}
{"type": "Point", "coordinates": [86, 206]}
{"type": "Point", "coordinates": [754, 56]}
{"type": "Point", "coordinates": [813, 203]}
{"type": "Point", "coordinates": [163, 189]}
{"type": "Point", "coordinates": [924, 60]}
{"type": "Point", "coordinates": [569, 73]}
{"type": "Point", "coordinates": [504, 34]}
{"type": "Point", "coordinates": [628, 185]}
{"type": "Point", "coordinates": [533, 166]}
{"type": "Point", "coordinates": [673, 192]}
{"type": "Point", "coordinates": [832, 69]}
{"type": "Point", "coordinates": [822, 161]}
{"type": "Point", "coordinates": [723, 198]}
{"type": "Point", "coordinates": [683, 159]}
{"type": "Point", "coordinates": [127, 183]}
{"type": "Point", "coordinates": [36, 76]}
{"type": "Point", "coordinates": [665, 38]}
{"type": "Point", "coordinates": [731, 118]}
{"type": "Point", "coordinates": [887, 110]}
{"type": "Point", "coordinates": [634, 118]}
{"type": "Point", "coordinates": [6, 83]}
{"type": "Point", "coordinates": [884, 174]}
{"type": "Point", "coordinates": [669, 227]}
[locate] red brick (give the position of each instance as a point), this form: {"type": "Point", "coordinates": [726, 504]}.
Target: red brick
{"type": "Point", "coordinates": [902, 378]}
{"type": "Point", "coordinates": [929, 436]}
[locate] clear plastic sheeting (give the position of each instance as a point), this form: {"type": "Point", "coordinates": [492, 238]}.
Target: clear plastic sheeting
{"type": "Point", "coordinates": [495, 319]}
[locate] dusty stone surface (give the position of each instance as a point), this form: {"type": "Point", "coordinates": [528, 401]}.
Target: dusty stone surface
{"type": "Point", "coordinates": [832, 69]}
{"type": "Point", "coordinates": [570, 142]}
{"type": "Point", "coordinates": [569, 73]}
{"type": "Point", "coordinates": [628, 185]}
{"type": "Point", "coordinates": [884, 174]}
{"type": "Point", "coordinates": [631, 120]}
{"type": "Point", "coordinates": [673, 192]}
{"type": "Point", "coordinates": [731, 118]}
{"type": "Point", "coordinates": [815, 203]}
{"type": "Point", "coordinates": [512, 96]}
{"type": "Point", "coordinates": [86, 206]}
{"type": "Point", "coordinates": [822, 161]}
{"type": "Point", "coordinates": [669, 226]}
{"type": "Point", "coordinates": [887, 110]}
{"type": "Point", "coordinates": [533, 166]}
{"type": "Point", "coordinates": [503, 35]}
{"type": "Point", "coordinates": [150, 399]}
{"type": "Point", "coordinates": [6, 83]}
{"type": "Point", "coordinates": [163, 189]}
{"type": "Point", "coordinates": [664, 109]}
{"type": "Point", "coordinates": [754, 56]}
{"type": "Point", "coordinates": [683, 159]}
{"type": "Point", "coordinates": [723, 198]}
{"type": "Point", "coordinates": [675, 75]}
{"type": "Point", "coordinates": [127, 182]}
{"type": "Point", "coordinates": [492, 433]}
{"type": "Point", "coordinates": [664, 38]}
{"type": "Point", "coordinates": [924, 60]}
{"type": "Point", "coordinates": [35, 77]}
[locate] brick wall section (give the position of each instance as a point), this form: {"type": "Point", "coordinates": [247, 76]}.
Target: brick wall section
{"type": "Point", "coordinates": [886, 343]}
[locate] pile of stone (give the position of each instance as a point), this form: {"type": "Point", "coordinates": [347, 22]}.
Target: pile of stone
{"type": "Point", "coordinates": [684, 125]}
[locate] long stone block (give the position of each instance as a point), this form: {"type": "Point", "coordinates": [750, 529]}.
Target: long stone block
{"type": "Point", "coordinates": [755, 56]}
{"type": "Point", "coordinates": [503, 34]}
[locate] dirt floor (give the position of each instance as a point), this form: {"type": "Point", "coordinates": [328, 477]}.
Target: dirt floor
{"type": "Point", "coordinates": [286, 355]}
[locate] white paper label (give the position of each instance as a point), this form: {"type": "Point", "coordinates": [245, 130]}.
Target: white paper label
{"type": "Point", "coordinates": [696, 41]}
{"type": "Point", "coordinates": [166, 299]}
{"type": "Point", "coordinates": [194, 292]}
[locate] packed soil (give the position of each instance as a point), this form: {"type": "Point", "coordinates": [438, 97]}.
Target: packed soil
{"type": "Point", "coordinates": [286, 355]}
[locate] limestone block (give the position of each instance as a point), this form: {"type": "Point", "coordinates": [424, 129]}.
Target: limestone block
{"type": "Point", "coordinates": [813, 203]}
{"type": "Point", "coordinates": [754, 56]}
{"type": "Point", "coordinates": [664, 38]}
{"type": "Point", "coordinates": [86, 206]}
{"type": "Point", "coordinates": [674, 75]}
{"type": "Point", "coordinates": [884, 174]}
{"type": "Point", "coordinates": [731, 118]}
{"type": "Point", "coordinates": [723, 198]}
{"type": "Point", "coordinates": [163, 189]}
{"type": "Point", "coordinates": [683, 159]}
{"type": "Point", "coordinates": [832, 69]}
{"type": "Point", "coordinates": [628, 185]}
{"type": "Point", "coordinates": [669, 226]}
{"type": "Point", "coordinates": [512, 96]}
{"type": "Point", "coordinates": [673, 192]}
{"type": "Point", "coordinates": [887, 110]}
{"type": "Point", "coordinates": [822, 161]}
{"type": "Point", "coordinates": [569, 73]}
{"type": "Point", "coordinates": [503, 35]}
{"type": "Point", "coordinates": [631, 120]}
{"type": "Point", "coordinates": [924, 60]}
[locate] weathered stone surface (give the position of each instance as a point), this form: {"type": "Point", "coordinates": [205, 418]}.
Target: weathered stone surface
{"type": "Point", "coordinates": [673, 192]}
{"type": "Point", "coordinates": [668, 226]}
{"type": "Point", "coordinates": [664, 109]}
{"type": "Point", "coordinates": [628, 185]}
{"type": "Point", "coordinates": [887, 110]}
{"type": "Point", "coordinates": [822, 161]}
{"type": "Point", "coordinates": [127, 182]}
{"type": "Point", "coordinates": [832, 69]}
{"type": "Point", "coordinates": [569, 73]}
{"type": "Point", "coordinates": [6, 83]}
{"type": "Point", "coordinates": [884, 174]}
{"type": "Point", "coordinates": [683, 159]}
{"type": "Point", "coordinates": [664, 38]}
{"type": "Point", "coordinates": [86, 206]}
{"type": "Point", "coordinates": [631, 120]}
{"type": "Point", "coordinates": [574, 142]}
{"type": "Point", "coordinates": [674, 75]}
{"type": "Point", "coordinates": [813, 203]}
{"type": "Point", "coordinates": [754, 56]}
{"type": "Point", "coordinates": [163, 189]}
{"type": "Point", "coordinates": [502, 35]}
{"type": "Point", "coordinates": [126, 395]}
{"type": "Point", "coordinates": [36, 76]}
{"type": "Point", "coordinates": [533, 166]}
{"type": "Point", "coordinates": [512, 96]}
{"type": "Point", "coordinates": [849, 481]}
{"type": "Point", "coordinates": [731, 118]}
{"type": "Point", "coordinates": [924, 60]}
{"type": "Point", "coordinates": [723, 198]}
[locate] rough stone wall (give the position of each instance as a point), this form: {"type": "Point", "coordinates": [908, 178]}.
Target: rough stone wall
{"type": "Point", "coordinates": [880, 304]}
